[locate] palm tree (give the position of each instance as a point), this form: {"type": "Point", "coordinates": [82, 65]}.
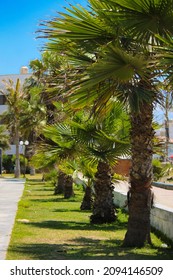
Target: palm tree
{"type": "Point", "coordinates": [57, 150]}
{"type": "Point", "coordinates": [60, 184]}
{"type": "Point", "coordinates": [34, 114]}
{"type": "Point", "coordinates": [90, 140]}
{"type": "Point", "coordinates": [88, 170]}
{"type": "Point", "coordinates": [11, 117]}
{"type": "Point", "coordinates": [149, 18]}
{"type": "Point", "coordinates": [102, 147]}
{"type": "Point", "coordinates": [117, 36]}
{"type": "Point", "coordinates": [50, 76]}
{"type": "Point", "coordinates": [24, 107]}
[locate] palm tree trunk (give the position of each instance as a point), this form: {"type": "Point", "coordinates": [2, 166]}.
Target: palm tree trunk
{"type": "Point", "coordinates": [68, 187]}
{"type": "Point", "coordinates": [32, 170]}
{"type": "Point", "coordinates": [17, 161]}
{"type": "Point", "coordinates": [103, 207]}
{"type": "Point", "coordinates": [87, 201]}
{"type": "Point", "coordinates": [59, 187]}
{"type": "Point", "coordinates": [166, 127]}
{"type": "Point", "coordinates": [140, 193]}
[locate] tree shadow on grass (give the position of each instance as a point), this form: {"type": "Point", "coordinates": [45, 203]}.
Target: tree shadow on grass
{"type": "Point", "coordinates": [86, 248]}
{"type": "Point", "coordinates": [72, 225]}
{"type": "Point", "coordinates": [91, 248]}
{"type": "Point", "coordinates": [71, 210]}
{"type": "Point", "coordinates": [53, 199]}
{"type": "Point", "coordinates": [112, 249]}
{"type": "Point", "coordinates": [34, 181]}
{"type": "Point", "coordinates": [43, 189]}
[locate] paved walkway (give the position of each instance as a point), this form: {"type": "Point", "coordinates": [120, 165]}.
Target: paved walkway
{"type": "Point", "coordinates": [10, 192]}
{"type": "Point", "coordinates": [161, 196]}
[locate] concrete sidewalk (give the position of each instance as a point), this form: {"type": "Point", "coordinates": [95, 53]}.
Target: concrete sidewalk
{"type": "Point", "coordinates": [10, 192]}
{"type": "Point", "coordinates": [161, 196]}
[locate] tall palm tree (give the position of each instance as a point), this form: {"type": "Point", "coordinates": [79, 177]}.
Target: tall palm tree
{"type": "Point", "coordinates": [117, 37]}
{"type": "Point", "coordinates": [11, 117]}
{"type": "Point", "coordinates": [143, 20]}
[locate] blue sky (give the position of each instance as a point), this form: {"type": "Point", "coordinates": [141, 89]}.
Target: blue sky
{"type": "Point", "coordinates": [19, 21]}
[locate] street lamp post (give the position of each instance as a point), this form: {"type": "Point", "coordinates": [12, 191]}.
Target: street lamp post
{"type": "Point", "coordinates": [24, 144]}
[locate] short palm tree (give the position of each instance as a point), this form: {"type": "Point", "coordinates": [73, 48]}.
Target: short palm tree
{"type": "Point", "coordinates": [58, 148]}
{"type": "Point", "coordinates": [115, 40]}
{"type": "Point", "coordinates": [88, 171]}
{"type": "Point", "coordinates": [99, 144]}
{"type": "Point", "coordinates": [103, 150]}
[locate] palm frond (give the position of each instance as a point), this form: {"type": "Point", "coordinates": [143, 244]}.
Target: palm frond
{"type": "Point", "coordinates": [143, 19]}
{"type": "Point", "coordinates": [109, 77]}
{"type": "Point", "coordinates": [43, 159]}
{"type": "Point", "coordinates": [77, 22]}
{"type": "Point", "coordinates": [60, 141]}
{"type": "Point", "coordinates": [165, 55]}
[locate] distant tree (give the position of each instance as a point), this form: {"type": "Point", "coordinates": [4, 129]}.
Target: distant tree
{"type": "Point", "coordinates": [14, 95]}
{"type": "Point", "coordinates": [50, 76]}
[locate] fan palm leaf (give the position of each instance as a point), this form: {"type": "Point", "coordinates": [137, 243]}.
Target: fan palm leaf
{"type": "Point", "coordinates": [142, 19]}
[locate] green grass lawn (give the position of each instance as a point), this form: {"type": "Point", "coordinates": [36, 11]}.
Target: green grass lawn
{"type": "Point", "coordinates": [49, 227]}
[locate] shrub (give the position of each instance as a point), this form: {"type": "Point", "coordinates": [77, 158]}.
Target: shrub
{"type": "Point", "coordinates": [51, 176]}
{"type": "Point", "coordinates": [8, 163]}
{"type": "Point", "coordinates": [160, 170]}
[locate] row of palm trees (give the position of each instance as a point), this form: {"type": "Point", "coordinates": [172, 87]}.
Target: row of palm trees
{"type": "Point", "coordinates": [113, 52]}
{"type": "Point", "coordinates": [116, 50]}
{"type": "Point", "coordinates": [84, 145]}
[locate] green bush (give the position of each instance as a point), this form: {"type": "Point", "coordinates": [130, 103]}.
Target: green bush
{"type": "Point", "coordinates": [23, 163]}
{"type": "Point", "coordinates": [160, 170]}
{"type": "Point", "coordinates": [51, 176]}
{"type": "Point", "coordinates": [8, 163]}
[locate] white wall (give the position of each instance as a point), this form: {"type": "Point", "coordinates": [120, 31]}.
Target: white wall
{"type": "Point", "coordinates": [3, 108]}
{"type": "Point", "coordinates": [12, 150]}
{"type": "Point", "coordinates": [161, 216]}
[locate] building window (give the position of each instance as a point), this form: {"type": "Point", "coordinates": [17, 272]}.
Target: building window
{"type": "Point", "coordinates": [2, 99]}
